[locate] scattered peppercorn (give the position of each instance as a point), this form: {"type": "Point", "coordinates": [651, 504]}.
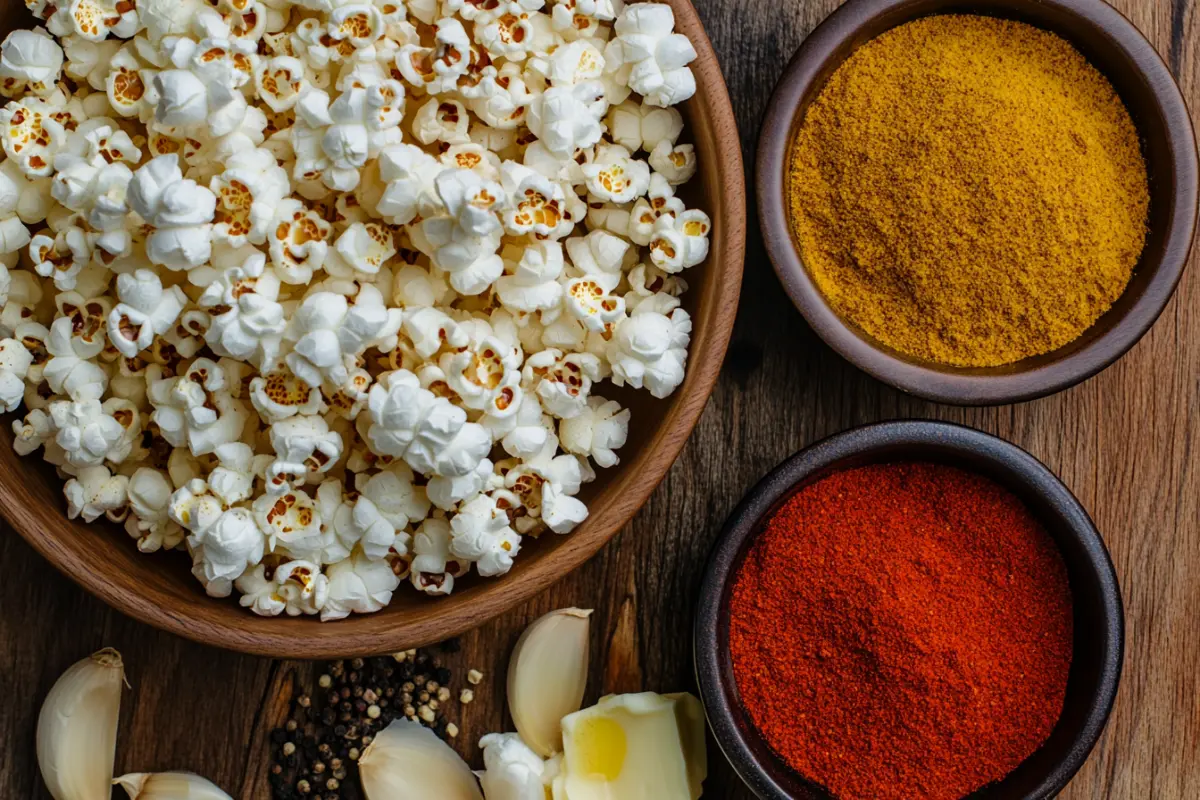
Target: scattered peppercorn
{"type": "Point", "coordinates": [315, 753]}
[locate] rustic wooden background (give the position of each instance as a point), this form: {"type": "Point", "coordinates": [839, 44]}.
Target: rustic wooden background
{"type": "Point", "coordinates": [1127, 443]}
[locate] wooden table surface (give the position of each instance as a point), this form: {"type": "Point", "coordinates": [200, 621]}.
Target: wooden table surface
{"type": "Point", "coordinates": [1126, 442]}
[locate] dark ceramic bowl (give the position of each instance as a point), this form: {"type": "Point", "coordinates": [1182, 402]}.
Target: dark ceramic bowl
{"type": "Point", "coordinates": [1099, 627]}
{"type": "Point", "coordinates": [1144, 83]}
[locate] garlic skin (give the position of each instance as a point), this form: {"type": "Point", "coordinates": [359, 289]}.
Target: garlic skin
{"type": "Point", "coordinates": [547, 677]}
{"type": "Point", "coordinates": [407, 761]}
{"type": "Point", "coordinates": [77, 728]}
{"type": "Point", "coordinates": [169, 786]}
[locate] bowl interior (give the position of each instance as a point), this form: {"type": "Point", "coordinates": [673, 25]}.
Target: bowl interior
{"type": "Point", "coordinates": [159, 589]}
{"type": "Point", "coordinates": [1136, 72]}
{"type": "Point", "coordinates": [1098, 624]}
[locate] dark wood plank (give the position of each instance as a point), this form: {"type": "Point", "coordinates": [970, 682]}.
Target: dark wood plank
{"type": "Point", "coordinates": [1127, 442]}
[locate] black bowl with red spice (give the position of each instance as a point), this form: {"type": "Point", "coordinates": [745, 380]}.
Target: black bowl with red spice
{"type": "Point", "coordinates": [945, 622]}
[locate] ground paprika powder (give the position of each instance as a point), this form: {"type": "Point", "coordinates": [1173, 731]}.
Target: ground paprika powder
{"type": "Point", "coordinates": [902, 631]}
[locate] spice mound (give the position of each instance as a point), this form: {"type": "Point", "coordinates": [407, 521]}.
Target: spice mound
{"type": "Point", "coordinates": [969, 191]}
{"type": "Point", "coordinates": [902, 631]}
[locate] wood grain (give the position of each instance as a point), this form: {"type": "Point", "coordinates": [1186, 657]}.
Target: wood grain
{"type": "Point", "coordinates": [1126, 442]}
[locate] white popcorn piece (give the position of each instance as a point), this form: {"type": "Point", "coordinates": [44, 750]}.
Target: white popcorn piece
{"type": "Point", "coordinates": [30, 62]}
{"type": "Point", "coordinates": [280, 395]}
{"type": "Point", "coordinates": [358, 585]}
{"type": "Point", "coordinates": [567, 118]}
{"type": "Point", "coordinates": [249, 193]}
{"type": "Point", "coordinates": [598, 432]}
{"type": "Point", "coordinates": [561, 382]}
{"type": "Point", "coordinates": [511, 770]}
{"type": "Point", "coordinates": [428, 432]}
{"type": "Point", "coordinates": [524, 434]}
{"type": "Point", "coordinates": [676, 163]}
{"type": "Point", "coordinates": [500, 98]}
{"type": "Point", "coordinates": [280, 81]}
{"type": "Point", "coordinates": [433, 567]}
{"type": "Point", "coordinates": [330, 332]}
{"type": "Point", "coordinates": [61, 257]}
{"type": "Point", "coordinates": [95, 492]}
{"type": "Point", "coordinates": [506, 31]}
{"type": "Point", "coordinates": [290, 521]}
{"type": "Point", "coordinates": [336, 139]}
{"type": "Point", "coordinates": [92, 176]}
{"type": "Point", "coordinates": [32, 432]}
{"type": "Point", "coordinates": [660, 201]}
{"type": "Point", "coordinates": [15, 361]}
{"type": "Point", "coordinates": [31, 135]}
{"type": "Point", "coordinates": [149, 493]}
{"type": "Point", "coordinates": [247, 321]}
{"type": "Point", "coordinates": [409, 173]}
{"type": "Point", "coordinates": [442, 120]}
{"type": "Point", "coordinates": [561, 512]}
{"type": "Point", "coordinates": [129, 85]}
{"type": "Point", "coordinates": [223, 550]}
{"type": "Point", "coordinates": [302, 587]}
{"type": "Point", "coordinates": [232, 480]}
{"type": "Point", "coordinates": [364, 248]}
{"type": "Point", "coordinates": [538, 205]}
{"type": "Point", "coordinates": [259, 593]}
{"type": "Point", "coordinates": [649, 348]}
{"type": "Point", "coordinates": [395, 496]}
{"type": "Point", "coordinates": [681, 241]}
{"type": "Point", "coordinates": [616, 177]}
{"type": "Point", "coordinates": [84, 432]}
{"type": "Point", "coordinates": [446, 493]}
{"type": "Point", "coordinates": [70, 370]}
{"type": "Point", "coordinates": [146, 310]}
{"type": "Point", "coordinates": [531, 284]}
{"type": "Point", "coordinates": [591, 301]}
{"type": "Point", "coordinates": [641, 126]}
{"type": "Point", "coordinates": [481, 536]}
{"type": "Point", "coordinates": [298, 242]}
{"type": "Point", "coordinates": [646, 41]}
{"type": "Point", "coordinates": [430, 329]}
{"type": "Point", "coordinates": [204, 88]}
{"type": "Point", "coordinates": [95, 19]}
{"type": "Point", "coordinates": [180, 210]}
{"type": "Point", "coordinates": [304, 448]}
{"type": "Point", "coordinates": [196, 409]}
{"type": "Point", "coordinates": [437, 69]}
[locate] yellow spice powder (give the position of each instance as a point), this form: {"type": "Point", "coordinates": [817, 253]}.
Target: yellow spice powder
{"type": "Point", "coordinates": [969, 190]}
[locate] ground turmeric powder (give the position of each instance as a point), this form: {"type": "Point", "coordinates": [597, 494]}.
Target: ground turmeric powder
{"type": "Point", "coordinates": [969, 190]}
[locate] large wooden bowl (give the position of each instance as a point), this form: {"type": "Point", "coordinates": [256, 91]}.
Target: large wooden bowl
{"type": "Point", "coordinates": [158, 588]}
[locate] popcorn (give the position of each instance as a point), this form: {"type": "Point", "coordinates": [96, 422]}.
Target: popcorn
{"type": "Point", "coordinates": [658, 57]}
{"type": "Point", "coordinates": [512, 771]}
{"type": "Point", "coordinates": [96, 492]}
{"type": "Point", "coordinates": [196, 409]}
{"type": "Point", "coordinates": [180, 211]}
{"type": "Point", "coordinates": [562, 382]}
{"type": "Point", "coordinates": [433, 567]}
{"type": "Point", "coordinates": [248, 195]}
{"type": "Point", "coordinates": [369, 308]}
{"type": "Point", "coordinates": [358, 585]}
{"type": "Point", "coordinates": [481, 536]}
{"type": "Point", "coordinates": [247, 322]}
{"type": "Point", "coordinates": [680, 241]}
{"type": "Point", "coordinates": [298, 242]}
{"type": "Point", "coordinates": [428, 432]}
{"type": "Point", "coordinates": [15, 361]}
{"type": "Point", "coordinates": [650, 347]}
{"type": "Point", "coordinates": [223, 550]}
{"type": "Point", "coordinates": [330, 332]}
{"type": "Point", "coordinates": [146, 310]}
{"type": "Point", "coordinates": [615, 177]}
{"type": "Point", "coordinates": [597, 432]}
{"type": "Point", "coordinates": [567, 118]}
{"type": "Point", "coordinates": [30, 62]}
{"type": "Point", "coordinates": [149, 493]}
{"type": "Point", "coordinates": [304, 446]}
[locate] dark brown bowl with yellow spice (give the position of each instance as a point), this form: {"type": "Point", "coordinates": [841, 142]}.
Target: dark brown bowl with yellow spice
{"type": "Point", "coordinates": [978, 245]}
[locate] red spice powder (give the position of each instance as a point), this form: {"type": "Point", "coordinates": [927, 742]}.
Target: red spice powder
{"type": "Point", "coordinates": [902, 631]}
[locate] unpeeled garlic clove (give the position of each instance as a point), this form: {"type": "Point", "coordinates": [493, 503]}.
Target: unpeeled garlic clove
{"type": "Point", "coordinates": [407, 761]}
{"type": "Point", "coordinates": [547, 676]}
{"type": "Point", "coordinates": [77, 728]}
{"type": "Point", "coordinates": [169, 786]}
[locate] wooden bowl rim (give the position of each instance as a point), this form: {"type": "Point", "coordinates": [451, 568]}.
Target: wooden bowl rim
{"type": "Point", "coordinates": [877, 443]}
{"type": "Point", "coordinates": [235, 628]}
{"type": "Point", "coordinates": [943, 383]}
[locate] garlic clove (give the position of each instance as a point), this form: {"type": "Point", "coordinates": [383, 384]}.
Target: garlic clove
{"type": "Point", "coordinates": [77, 728]}
{"type": "Point", "coordinates": [169, 786]}
{"type": "Point", "coordinates": [547, 677]}
{"type": "Point", "coordinates": [407, 761]}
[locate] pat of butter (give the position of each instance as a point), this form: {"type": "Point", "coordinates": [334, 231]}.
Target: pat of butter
{"type": "Point", "coordinates": [634, 747]}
